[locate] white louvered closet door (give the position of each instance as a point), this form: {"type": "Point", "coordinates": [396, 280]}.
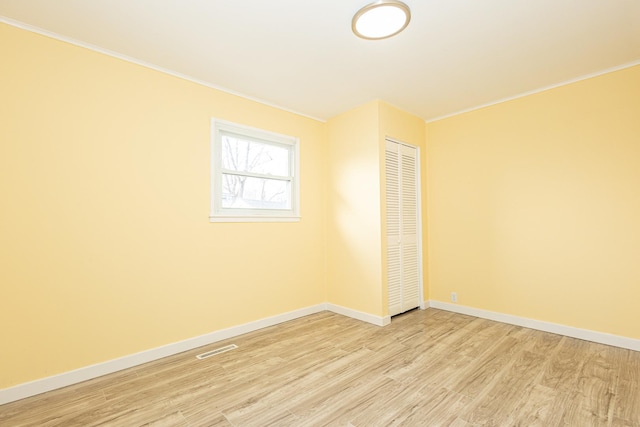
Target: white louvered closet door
{"type": "Point", "coordinates": [403, 255]}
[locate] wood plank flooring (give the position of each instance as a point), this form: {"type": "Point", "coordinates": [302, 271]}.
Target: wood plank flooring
{"type": "Point", "coordinates": [428, 368]}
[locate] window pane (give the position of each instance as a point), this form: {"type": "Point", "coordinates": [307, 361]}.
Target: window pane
{"type": "Point", "coordinates": [241, 192]}
{"type": "Point", "coordinates": [250, 156]}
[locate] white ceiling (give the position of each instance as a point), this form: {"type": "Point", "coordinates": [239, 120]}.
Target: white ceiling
{"type": "Point", "coordinates": [301, 55]}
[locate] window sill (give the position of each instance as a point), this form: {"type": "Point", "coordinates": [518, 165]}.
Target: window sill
{"type": "Point", "coordinates": [254, 219]}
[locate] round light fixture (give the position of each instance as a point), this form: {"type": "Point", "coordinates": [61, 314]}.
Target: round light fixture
{"type": "Point", "coordinates": [381, 19]}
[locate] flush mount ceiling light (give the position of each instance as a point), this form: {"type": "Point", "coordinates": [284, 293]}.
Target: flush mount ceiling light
{"type": "Point", "coordinates": [381, 19]}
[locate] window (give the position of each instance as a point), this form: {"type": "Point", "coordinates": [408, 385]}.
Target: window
{"type": "Point", "coordinates": [254, 174]}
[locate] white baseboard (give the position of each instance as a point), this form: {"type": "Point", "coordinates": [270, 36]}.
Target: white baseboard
{"type": "Point", "coordinates": [359, 315]}
{"type": "Point", "coordinates": [43, 385]}
{"type": "Point", "coordinates": [570, 331]}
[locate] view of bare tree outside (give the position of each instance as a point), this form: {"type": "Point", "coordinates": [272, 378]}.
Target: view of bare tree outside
{"type": "Point", "coordinates": [255, 175]}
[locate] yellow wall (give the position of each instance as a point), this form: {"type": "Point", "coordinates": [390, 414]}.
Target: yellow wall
{"type": "Point", "coordinates": [106, 248]}
{"type": "Point", "coordinates": [534, 205]}
{"type": "Point", "coordinates": [105, 244]}
{"type": "Point", "coordinates": [356, 251]}
{"type": "Point", "coordinates": [353, 210]}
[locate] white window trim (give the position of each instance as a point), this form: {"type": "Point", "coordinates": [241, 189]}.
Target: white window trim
{"type": "Point", "coordinates": [220, 214]}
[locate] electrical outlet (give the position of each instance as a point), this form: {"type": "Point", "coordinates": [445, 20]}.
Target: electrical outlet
{"type": "Point", "coordinates": [454, 297]}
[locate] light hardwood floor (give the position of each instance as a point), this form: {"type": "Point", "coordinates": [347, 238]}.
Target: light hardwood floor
{"type": "Point", "coordinates": [428, 368]}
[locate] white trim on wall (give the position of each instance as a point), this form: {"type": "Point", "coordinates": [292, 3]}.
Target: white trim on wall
{"type": "Point", "coordinates": [79, 43]}
{"type": "Point", "coordinates": [65, 379]}
{"type": "Point", "coordinates": [554, 328]}
{"type": "Point", "coordinates": [359, 315]}
{"type": "Point", "coordinates": [70, 40]}
{"type": "Point", "coordinates": [535, 91]}
{"type": "Point", "coordinates": [43, 385]}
